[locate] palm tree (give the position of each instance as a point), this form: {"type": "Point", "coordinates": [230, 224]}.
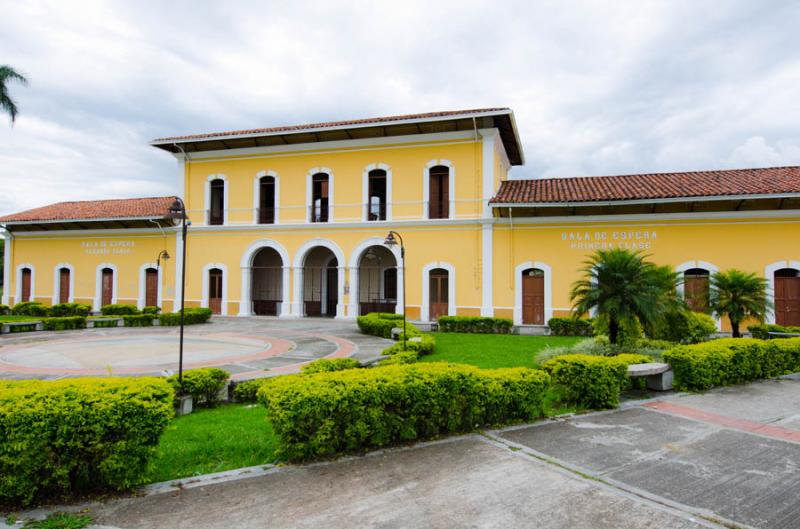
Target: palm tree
{"type": "Point", "coordinates": [738, 295]}
{"type": "Point", "coordinates": [8, 74]}
{"type": "Point", "coordinates": [621, 285]}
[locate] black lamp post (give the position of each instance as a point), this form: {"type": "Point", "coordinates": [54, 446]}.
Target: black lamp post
{"type": "Point", "coordinates": [178, 211]}
{"type": "Point", "coordinates": [391, 240]}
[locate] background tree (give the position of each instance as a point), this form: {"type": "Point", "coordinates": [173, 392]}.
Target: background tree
{"type": "Point", "coordinates": [738, 295]}
{"type": "Point", "coordinates": [621, 285]}
{"type": "Point", "coordinates": [8, 75]}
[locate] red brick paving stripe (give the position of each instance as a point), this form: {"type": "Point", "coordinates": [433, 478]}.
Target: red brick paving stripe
{"type": "Point", "coordinates": [767, 430]}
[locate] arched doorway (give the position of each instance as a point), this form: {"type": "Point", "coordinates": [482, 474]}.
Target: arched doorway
{"type": "Point", "coordinates": [439, 293]}
{"type": "Point", "coordinates": [150, 287]}
{"type": "Point", "coordinates": [696, 289]}
{"type": "Point", "coordinates": [26, 282]}
{"type": "Point", "coordinates": [266, 284]}
{"type": "Point", "coordinates": [320, 283]}
{"type": "Point", "coordinates": [533, 296]}
{"type": "Point", "coordinates": [107, 287]}
{"type": "Point", "coordinates": [377, 281]}
{"type": "Point", "coordinates": [64, 282]}
{"type": "Point", "coordinates": [215, 290]}
{"type": "Point", "coordinates": [787, 296]}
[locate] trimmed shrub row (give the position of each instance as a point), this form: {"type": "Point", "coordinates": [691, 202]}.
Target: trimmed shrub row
{"type": "Point", "coordinates": [64, 323]}
{"type": "Point", "coordinates": [138, 320]}
{"type": "Point", "coordinates": [5, 310]}
{"type": "Point", "coordinates": [203, 384]}
{"type": "Point", "coordinates": [119, 310]}
{"type": "Point", "coordinates": [191, 317]}
{"type": "Point", "coordinates": [685, 326]}
{"type": "Point", "coordinates": [592, 381]}
{"type": "Point", "coordinates": [732, 361]}
{"type": "Point", "coordinates": [59, 310]}
{"type": "Point", "coordinates": [570, 327]}
{"type": "Point", "coordinates": [762, 331]}
{"type": "Point", "coordinates": [325, 365]}
{"type": "Point", "coordinates": [381, 324]}
{"type": "Point", "coordinates": [78, 435]}
{"type": "Point", "coordinates": [357, 409]}
{"type": "Point", "coordinates": [475, 324]}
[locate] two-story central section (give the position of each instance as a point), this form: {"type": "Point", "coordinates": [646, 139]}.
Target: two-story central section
{"type": "Point", "coordinates": [292, 221]}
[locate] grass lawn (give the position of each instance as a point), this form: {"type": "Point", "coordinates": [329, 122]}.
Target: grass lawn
{"type": "Point", "coordinates": [492, 350]}
{"type": "Point", "coordinates": [213, 440]}
{"type": "Point", "coordinates": [19, 318]}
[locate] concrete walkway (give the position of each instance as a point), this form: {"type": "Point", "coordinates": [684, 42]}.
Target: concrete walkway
{"type": "Point", "coordinates": [246, 347]}
{"type": "Point", "coordinates": [727, 458]}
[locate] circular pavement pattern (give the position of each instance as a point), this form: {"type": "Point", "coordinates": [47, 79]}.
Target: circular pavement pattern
{"type": "Point", "coordinates": [246, 347]}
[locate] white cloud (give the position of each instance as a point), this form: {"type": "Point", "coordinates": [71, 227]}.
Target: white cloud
{"type": "Point", "coordinates": [597, 87]}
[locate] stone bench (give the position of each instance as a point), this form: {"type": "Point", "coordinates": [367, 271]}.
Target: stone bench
{"type": "Point", "coordinates": [6, 327]}
{"type": "Point", "coordinates": [658, 375]}
{"type": "Point", "coordinates": [91, 321]}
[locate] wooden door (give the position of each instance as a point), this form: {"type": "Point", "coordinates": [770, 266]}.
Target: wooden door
{"type": "Point", "coordinates": [63, 285]}
{"type": "Point", "coordinates": [215, 290]}
{"type": "Point", "coordinates": [332, 290]}
{"type": "Point", "coordinates": [25, 293]}
{"type": "Point", "coordinates": [787, 301]}
{"type": "Point", "coordinates": [107, 296]}
{"type": "Point", "coordinates": [533, 297]}
{"type": "Point", "coordinates": [439, 293]}
{"type": "Point", "coordinates": [695, 292]}
{"type": "Point", "coordinates": [151, 287]}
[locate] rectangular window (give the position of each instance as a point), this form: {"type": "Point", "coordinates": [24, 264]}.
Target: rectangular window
{"type": "Point", "coordinates": [439, 193]}
{"type": "Point", "coordinates": [377, 195]}
{"type": "Point", "coordinates": [216, 213]}
{"type": "Point", "coordinates": [266, 200]}
{"type": "Point", "coordinates": [319, 206]}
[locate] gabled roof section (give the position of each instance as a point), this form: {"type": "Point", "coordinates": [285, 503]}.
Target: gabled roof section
{"type": "Point", "coordinates": [114, 213]}
{"type": "Point", "coordinates": [401, 125]}
{"type": "Point", "coordinates": [654, 187]}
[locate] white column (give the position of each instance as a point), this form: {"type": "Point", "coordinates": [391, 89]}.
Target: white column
{"type": "Point", "coordinates": [352, 308]}
{"type": "Point", "coordinates": [286, 305]}
{"type": "Point", "coordinates": [245, 304]}
{"type": "Point", "coordinates": [7, 268]}
{"type": "Point", "coordinates": [297, 298]}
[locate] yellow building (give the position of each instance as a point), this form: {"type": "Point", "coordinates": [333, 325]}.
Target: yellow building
{"type": "Point", "coordinates": [291, 221]}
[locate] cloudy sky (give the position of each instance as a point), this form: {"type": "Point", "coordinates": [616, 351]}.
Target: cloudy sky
{"type": "Point", "coordinates": [597, 87]}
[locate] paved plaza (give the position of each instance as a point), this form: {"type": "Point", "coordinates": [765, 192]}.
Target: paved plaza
{"type": "Point", "coordinates": [245, 347]}
{"type": "Point", "coordinates": [726, 458]}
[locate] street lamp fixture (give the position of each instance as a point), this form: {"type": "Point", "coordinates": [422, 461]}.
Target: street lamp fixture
{"type": "Point", "coordinates": [163, 255]}
{"type": "Point", "coordinates": [392, 240]}
{"type": "Point", "coordinates": [177, 211]}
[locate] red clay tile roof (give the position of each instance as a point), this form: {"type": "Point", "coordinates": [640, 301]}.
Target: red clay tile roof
{"type": "Point", "coordinates": [766, 181]}
{"type": "Point", "coordinates": [125, 208]}
{"type": "Point", "coordinates": [335, 124]}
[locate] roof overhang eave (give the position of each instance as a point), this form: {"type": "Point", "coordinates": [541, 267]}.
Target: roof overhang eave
{"type": "Point", "coordinates": [640, 201]}
{"type": "Point", "coordinates": [62, 221]}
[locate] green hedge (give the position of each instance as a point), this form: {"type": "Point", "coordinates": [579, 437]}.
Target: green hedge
{"type": "Point", "coordinates": [381, 324]}
{"type": "Point", "coordinates": [570, 326]}
{"type": "Point", "coordinates": [76, 435]}
{"type": "Point", "coordinates": [150, 309]}
{"type": "Point", "coordinates": [100, 324]}
{"type": "Point", "coordinates": [475, 324]}
{"type": "Point", "coordinates": [762, 331]}
{"type": "Point", "coordinates": [138, 320]}
{"type": "Point", "coordinates": [203, 384]}
{"type": "Point", "coordinates": [29, 308]}
{"type": "Point", "coordinates": [424, 346]}
{"type": "Point", "coordinates": [5, 310]}
{"type": "Point", "coordinates": [65, 323]}
{"type": "Point", "coordinates": [732, 361]}
{"type": "Point", "coordinates": [327, 365]}
{"type": "Point", "coordinates": [356, 409]}
{"type": "Point", "coordinates": [401, 357]}
{"type": "Point", "coordinates": [592, 381]}
{"type": "Point", "coordinates": [119, 310]}
{"type": "Point", "coordinates": [191, 317]}
{"type": "Point", "coordinates": [69, 309]}
{"type": "Point", "coordinates": [247, 391]}
{"type": "Point", "coordinates": [685, 326]}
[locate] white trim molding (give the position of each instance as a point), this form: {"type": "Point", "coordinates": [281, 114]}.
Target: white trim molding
{"type": "Point", "coordinates": [204, 296]}
{"type": "Point", "coordinates": [548, 289]}
{"type": "Point", "coordinates": [246, 265]}
{"type": "Point", "coordinates": [426, 187]}
{"type": "Point", "coordinates": [57, 283]}
{"type": "Point", "coordinates": [704, 265]}
{"type": "Point", "coordinates": [769, 274]}
{"type": "Point", "coordinates": [355, 283]}
{"type": "Point", "coordinates": [365, 190]}
{"type": "Point", "coordinates": [310, 192]}
{"type": "Point", "coordinates": [98, 285]}
{"type": "Point", "coordinates": [299, 264]}
{"type": "Point", "coordinates": [18, 285]}
{"type": "Point", "coordinates": [207, 198]}
{"type": "Point", "coordinates": [425, 312]}
{"type": "Point", "coordinates": [487, 270]}
{"type": "Point", "coordinates": [489, 138]}
{"type": "Point", "coordinates": [257, 195]}
{"type": "Point", "coordinates": [142, 299]}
